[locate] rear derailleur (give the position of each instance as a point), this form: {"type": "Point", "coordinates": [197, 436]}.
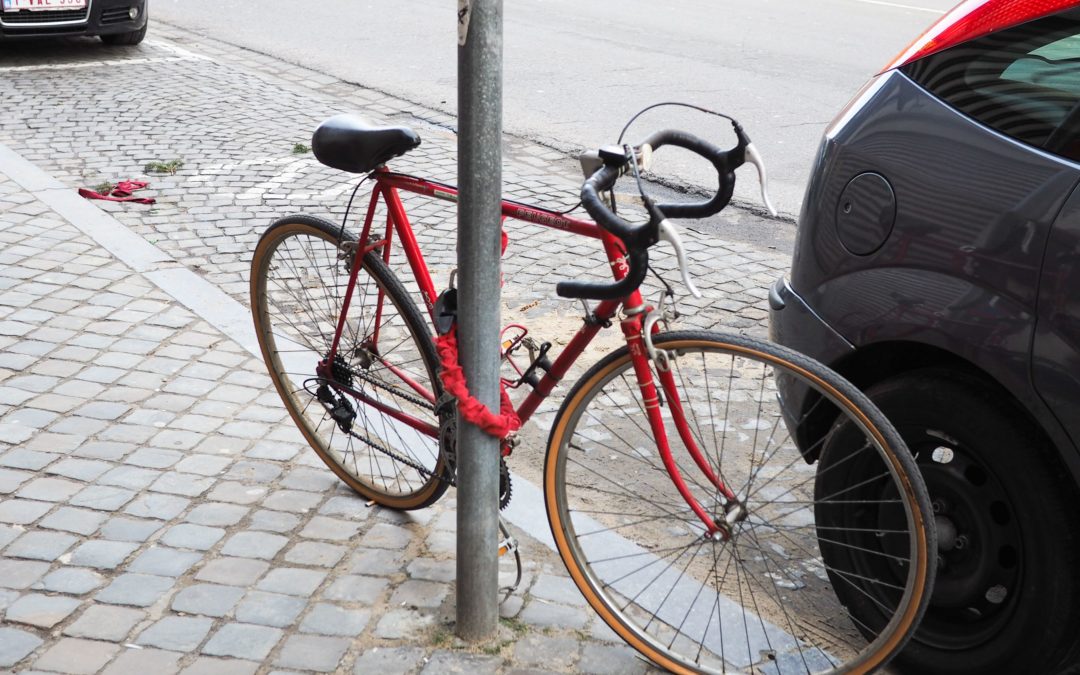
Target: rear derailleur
{"type": "Point", "coordinates": [339, 408]}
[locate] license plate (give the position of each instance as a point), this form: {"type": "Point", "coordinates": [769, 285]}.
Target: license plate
{"type": "Point", "coordinates": [43, 5]}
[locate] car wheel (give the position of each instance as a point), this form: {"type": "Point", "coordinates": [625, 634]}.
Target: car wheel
{"type": "Point", "coordinates": [125, 39]}
{"type": "Point", "coordinates": [1006, 594]}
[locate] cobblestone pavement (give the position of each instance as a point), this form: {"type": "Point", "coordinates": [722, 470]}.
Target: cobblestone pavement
{"type": "Point", "coordinates": [158, 512]}
{"type": "Point", "coordinates": [233, 118]}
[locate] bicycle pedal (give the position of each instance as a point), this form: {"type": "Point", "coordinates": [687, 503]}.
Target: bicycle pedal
{"type": "Point", "coordinates": [508, 545]}
{"type": "Point", "coordinates": [513, 336]}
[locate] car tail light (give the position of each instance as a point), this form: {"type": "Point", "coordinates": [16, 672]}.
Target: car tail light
{"type": "Point", "coordinates": [976, 18]}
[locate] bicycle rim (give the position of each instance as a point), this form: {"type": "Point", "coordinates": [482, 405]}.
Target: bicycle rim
{"type": "Point", "coordinates": [366, 419]}
{"type": "Point", "coordinates": [764, 598]}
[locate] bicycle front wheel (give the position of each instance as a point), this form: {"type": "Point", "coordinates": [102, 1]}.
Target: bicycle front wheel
{"type": "Point", "coordinates": [762, 594]}
{"type": "Point", "coordinates": [372, 417]}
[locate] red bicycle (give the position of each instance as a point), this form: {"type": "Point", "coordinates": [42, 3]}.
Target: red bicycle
{"type": "Point", "coordinates": [679, 495]}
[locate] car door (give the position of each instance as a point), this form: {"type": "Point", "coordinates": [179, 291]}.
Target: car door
{"type": "Point", "coordinates": [1055, 358]}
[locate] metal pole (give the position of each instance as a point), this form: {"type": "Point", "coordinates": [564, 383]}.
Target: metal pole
{"type": "Point", "coordinates": [479, 251]}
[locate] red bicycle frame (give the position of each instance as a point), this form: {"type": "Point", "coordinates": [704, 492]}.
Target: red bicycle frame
{"type": "Point", "coordinates": [387, 185]}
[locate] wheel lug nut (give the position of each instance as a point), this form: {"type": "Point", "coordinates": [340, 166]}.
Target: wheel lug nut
{"type": "Point", "coordinates": [942, 455]}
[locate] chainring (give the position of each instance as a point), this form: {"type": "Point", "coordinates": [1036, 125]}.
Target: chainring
{"type": "Point", "coordinates": [506, 490]}
{"type": "Point", "coordinates": [446, 408]}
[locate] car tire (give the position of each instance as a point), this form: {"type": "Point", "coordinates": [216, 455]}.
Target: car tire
{"type": "Point", "coordinates": [1007, 596]}
{"type": "Point", "coordinates": [125, 39]}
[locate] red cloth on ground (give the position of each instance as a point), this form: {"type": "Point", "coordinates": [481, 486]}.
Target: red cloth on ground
{"type": "Point", "coordinates": [122, 192]}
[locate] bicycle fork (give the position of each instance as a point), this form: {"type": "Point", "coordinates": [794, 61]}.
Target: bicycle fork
{"type": "Point", "coordinates": [717, 527]}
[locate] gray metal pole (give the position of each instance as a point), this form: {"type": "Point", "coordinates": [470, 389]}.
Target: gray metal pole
{"type": "Point", "coordinates": [479, 251]}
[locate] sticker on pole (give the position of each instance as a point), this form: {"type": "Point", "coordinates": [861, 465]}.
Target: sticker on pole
{"type": "Point", "coordinates": [464, 14]}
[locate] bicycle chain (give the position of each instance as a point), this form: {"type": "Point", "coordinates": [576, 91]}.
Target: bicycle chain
{"type": "Point", "coordinates": [447, 438]}
{"type": "Point", "coordinates": [506, 489]}
{"type": "Point", "coordinates": [386, 451]}
{"type": "Point", "coordinates": [415, 400]}
{"type": "Point", "coordinates": [446, 409]}
{"type": "Point", "coordinates": [395, 456]}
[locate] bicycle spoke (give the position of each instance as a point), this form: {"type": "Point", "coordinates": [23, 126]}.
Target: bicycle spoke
{"type": "Point", "coordinates": [604, 477]}
{"type": "Point", "coordinates": [819, 473]}
{"type": "Point", "coordinates": [642, 521]}
{"type": "Point", "coordinates": [749, 575]}
{"type": "Point", "coordinates": [674, 585]}
{"type": "Point", "coordinates": [633, 454]}
{"type": "Point", "coordinates": [303, 283]}
{"type": "Point", "coordinates": [671, 563]}
{"type": "Point", "coordinates": [846, 576]}
{"type": "Point", "coordinates": [764, 593]}
{"type": "Point", "coordinates": [647, 554]}
{"type": "Point", "coordinates": [777, 597]}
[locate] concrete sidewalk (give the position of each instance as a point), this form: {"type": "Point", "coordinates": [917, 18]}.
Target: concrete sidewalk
{"type": "Point", "coordinates": [158, 511]}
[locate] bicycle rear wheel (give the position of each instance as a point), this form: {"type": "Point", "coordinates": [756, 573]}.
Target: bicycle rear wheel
{"type": "Point", "coordinates": [371, 419]}
{"type": "Point", "coordinates": [762, 598]}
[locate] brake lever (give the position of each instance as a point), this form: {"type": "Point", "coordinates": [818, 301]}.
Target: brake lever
{"type": "Point", "coordinates": [644, 157]}
{"type": "Point", "coordinates": [669, 234]}
{"type": "Point", "coordinates": [754, 157]}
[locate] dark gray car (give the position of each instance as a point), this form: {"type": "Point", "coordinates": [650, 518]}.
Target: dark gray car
{"type": "Point", "coordinates": [937, 266]}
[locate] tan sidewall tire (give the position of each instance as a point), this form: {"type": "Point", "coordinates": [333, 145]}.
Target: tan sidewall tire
{"type": "Point", "coordinates": [845, 395]}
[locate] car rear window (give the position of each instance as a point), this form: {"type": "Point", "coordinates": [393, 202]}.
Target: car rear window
{"type": "Point", "coordinates": [1023, 82]}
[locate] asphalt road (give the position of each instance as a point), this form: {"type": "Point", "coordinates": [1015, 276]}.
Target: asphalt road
{"type": "Point", "coordinates": [576, 71]}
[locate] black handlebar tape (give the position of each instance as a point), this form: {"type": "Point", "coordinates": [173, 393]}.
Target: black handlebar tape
{"type": "Point", "coordinates": [638, 238]}
{"type": "Point", "coordinates": [638, 260]}
{"type": "Point", "coordinates": [604, 179]}
{"type": "Point", "coordinates": [724, 161]}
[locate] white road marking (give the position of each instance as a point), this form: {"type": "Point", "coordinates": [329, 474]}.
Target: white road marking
{"type": "Point", "coordinates": [179, 51]}
{"type": "Point", "coordinates": [179, 54]}
{"type": "Point", "coordinates": [277, 187]}
{"type": "Point", "coordinates": [900, 6]}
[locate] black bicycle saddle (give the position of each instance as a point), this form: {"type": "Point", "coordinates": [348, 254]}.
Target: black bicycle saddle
{"type": "Point", "coordinates": [351, 143]}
